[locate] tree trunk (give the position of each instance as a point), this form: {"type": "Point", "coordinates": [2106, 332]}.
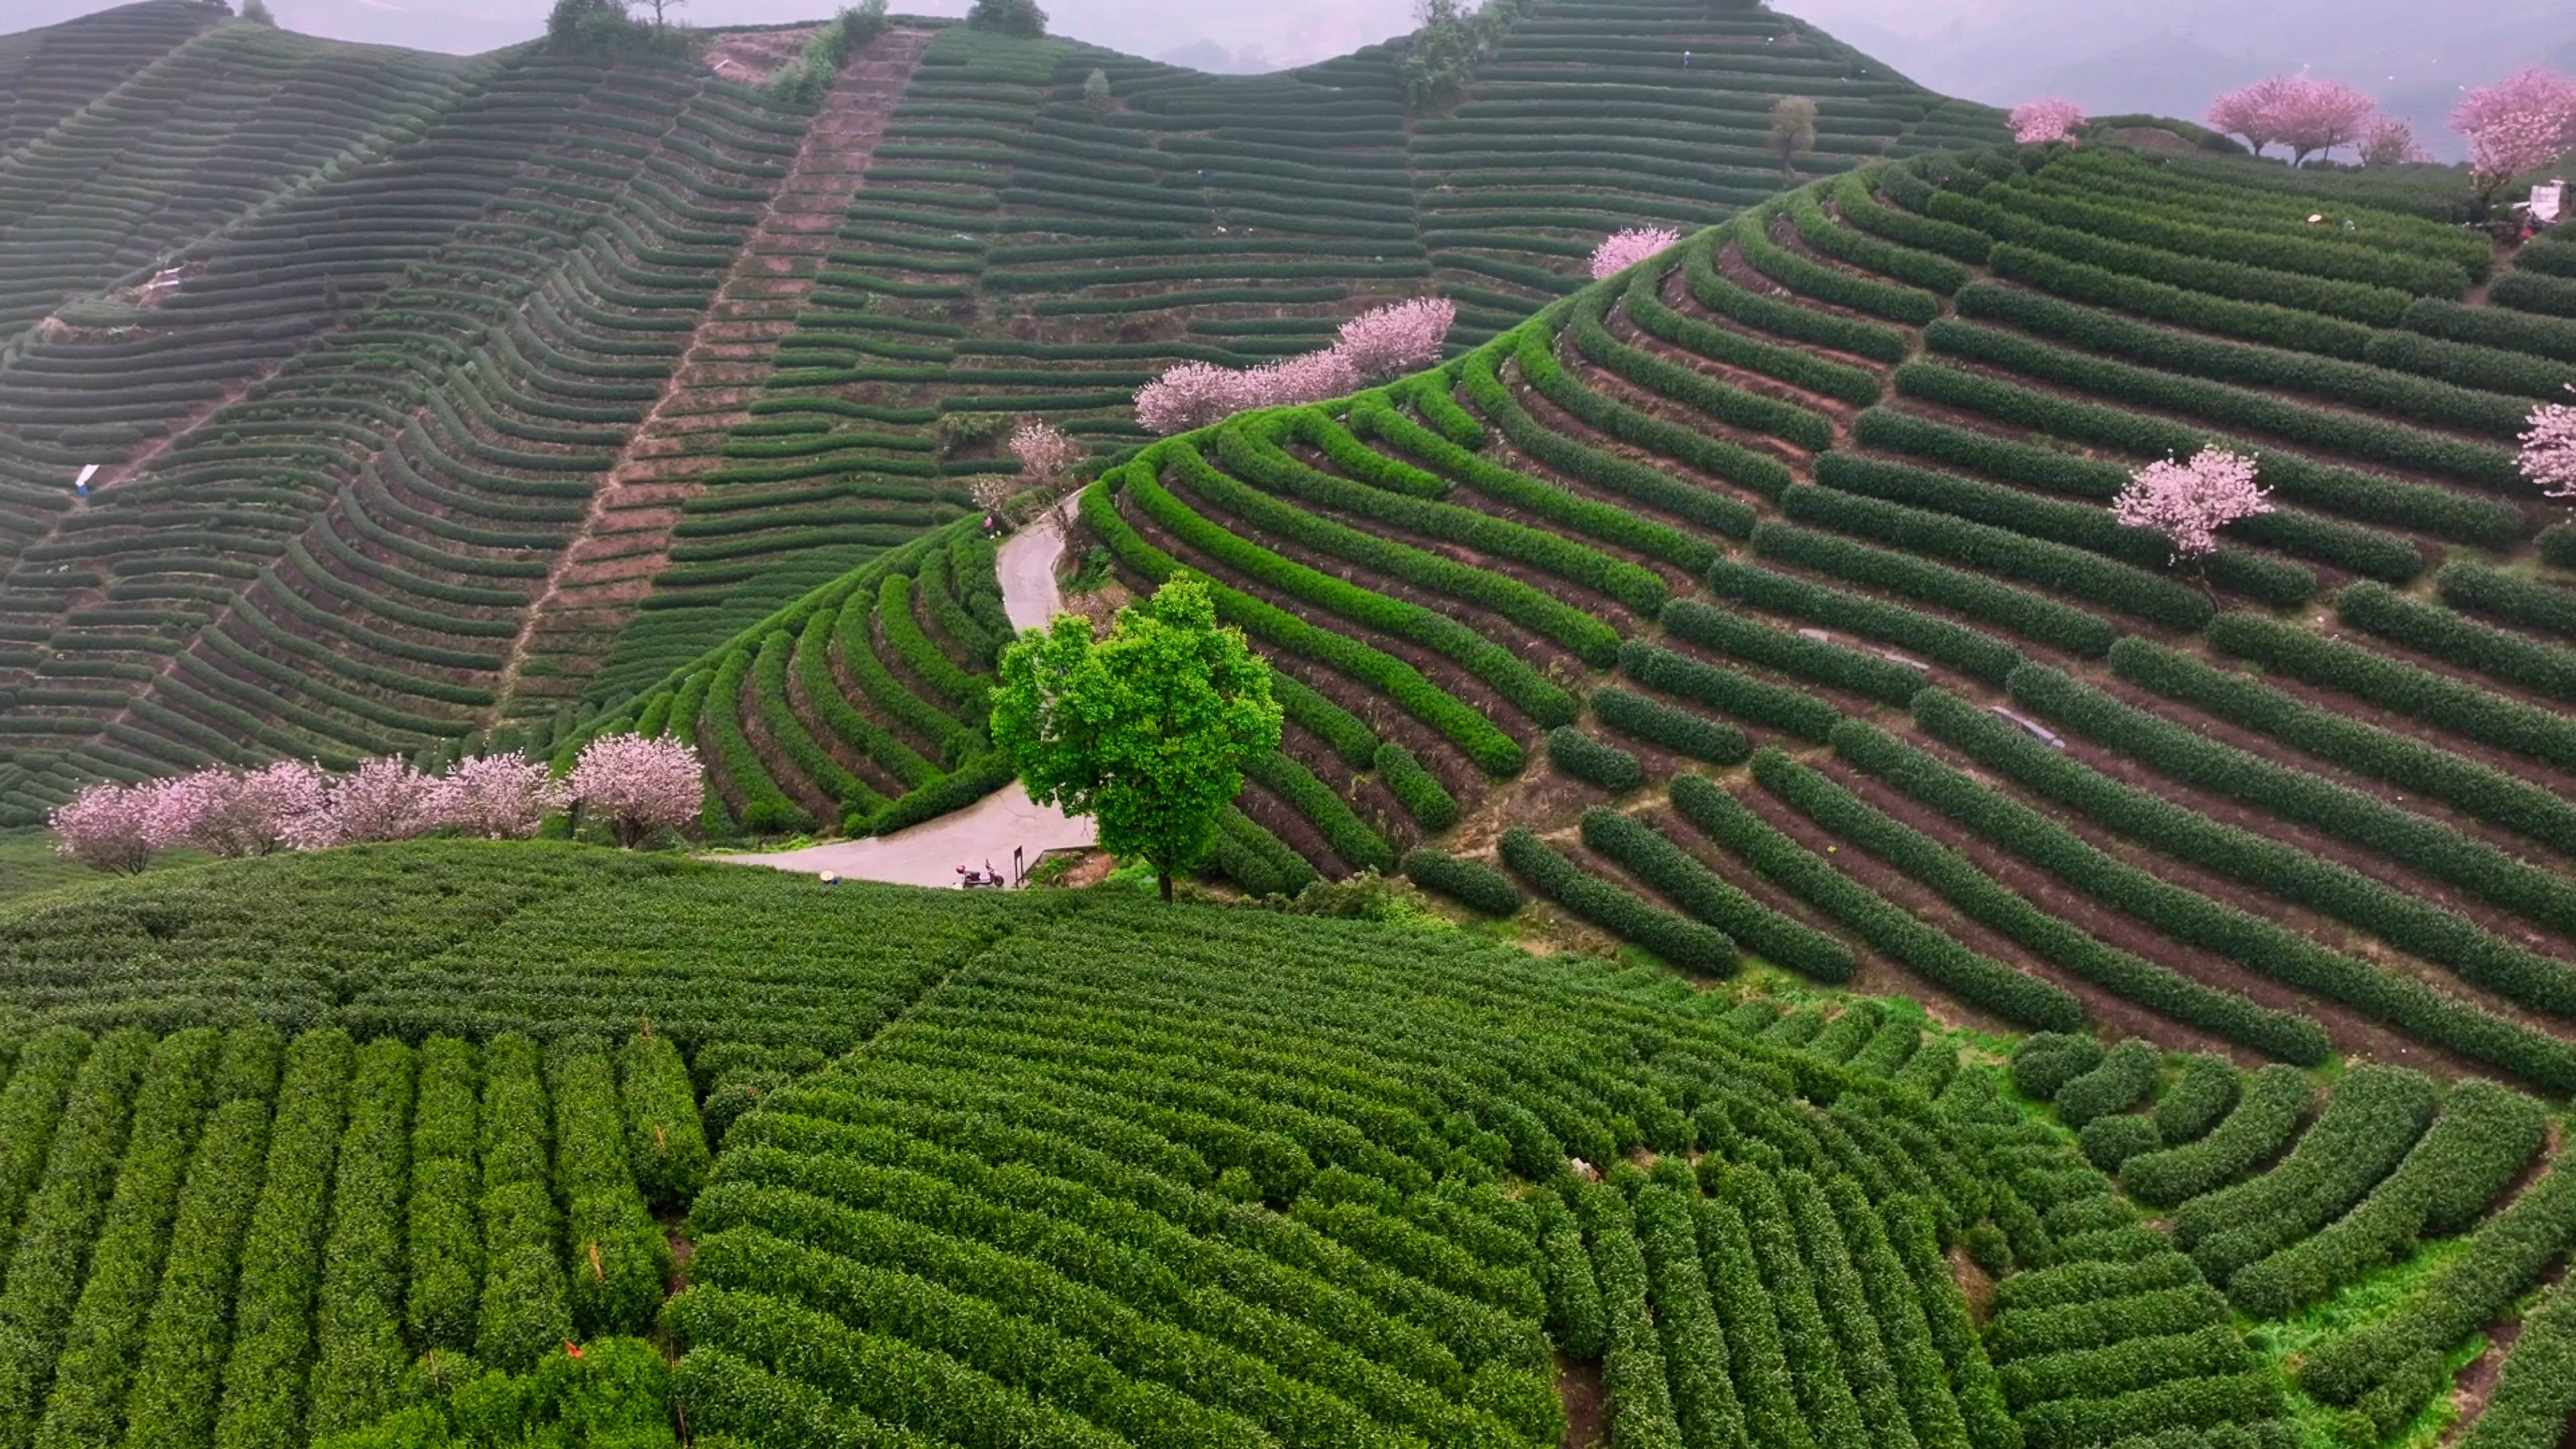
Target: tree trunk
{"type": "Point", "coordinates": [1163, 873]}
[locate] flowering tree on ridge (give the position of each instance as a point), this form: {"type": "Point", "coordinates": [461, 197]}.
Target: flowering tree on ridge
{"type": "Point", "coordinates": [2549, 449]}
{"type": "Point", "coordinates": [2521, 123]}
{"type": "Point", "coordinates": [2189, 502]}
{"type": "Point", "coordinates": [2050, 118]}
{"type": "Point", "coordinates": [1624, 249]}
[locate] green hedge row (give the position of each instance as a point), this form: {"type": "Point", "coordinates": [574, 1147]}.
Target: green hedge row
{"type": "Point", "coordinates": [2373, 1118]}
{"type": "Point", "coordinates": [2354, 384]}
{"type": "Point", "coordinates": [2360, 550]}
{"type": "Point", "coordinates": [2228, 406]}
{"type": "Point", "coordinates": [444, 1248]}
{"type": "Point", "coordinates": [2369, 497]}
{"type": "Point", "coordinates": [1685, 943]}
{"type": "Point", "coordinates": [125, 1086]}
{"type": "Point", "coordinates": [1644, 305]}
{"type": "Point", "coordinates": [1337, 727]}
{"type": "Point", "coordinates": [1911, 306]}
{"type": "Point", "coordinates": [2399, 916]}
{"type": "Point", "coordinates": [2033, 616]}
{"type": "Point", "coordinates": [1977, 655]}
{"type": "Point", "coordinates": [2495, 327]}
{"type": "Point", "coordinates": [1745, 467]}
{"type": "Point", "coordinates": [1324, 808]}
{"type": "Point", "coordinates": [766, 810]}
{"type": "Point", "coordinates": [176, 1382]}
{"type": "Point", "coordinates": [922, 655]}
{"type": "Point", "coordinates": [2543, 668]}
{"type": "Point", "coordinates": [2204, 1091]}
{"type": "Point", "coordinates": [281, 1252]}
{"type": "Point", "coordinates": [1974, 1382]}
{"type": "Point", "coordinates": [1257, 860]}
{"type": "Point", "coordinates": [2477, 789]}
{"type": "Point", "coordinates": [1648, 855]}
{"type": "Point", "coordinates": [2308, 292]}
{"type": "Point", "coordinates": [1696, 1356]}
{"type": "Point", "coordinates": [1259, 460]}
{"type": "Point", "coordinates": [1511, 676]}
{"type": "Point", "coordinates": [2221, 1012]}
{"type": "Point", "coordinates": [1470, 881]}
{"type": "Point", "coordinates": [2484, 1138]}
{"type": "Point", "coordinates": [1633, 1371]}
{"type": "Point", "coordinates": [1981, 981]}
{"type": "Point", "coordinates": [1867, 251]}
{"type": "Point", "coordinates": [2294, 328]}
{"type": "Point", "coordinates": [620, 1260]}
{"type": "Point", "coordinates": [2513, 598]}
{"type": "Point", "coordinates": [2109, 1141]}
{"type": "Point", "coordinates": [1585, 462]}
{"type": "Point", "coordinates": [525, 1310]}
{"type": "Point", "coordinates": [1723, 401]}
{"type": "Point", "coordinates": [1825, 1380]}
{"type": "Point", "coordinates": [976, 776]}
{"type": "Point", "coordinates": [2023, 1332]}
{"type": "Point", "coordinates": [2303, 251]}
{"type": "Point", "coordinates": [203, 1092]}
{"type": "Point", "coordinates": [2535, 1394]}
{"type": "Point", "coordinates": [1548, 500]}
{"type": "Point", "coordinates": [1594, 761]}
{"type": "Point", "coordinates": [2045, 1062]}
{"type": "Point", "coordinates": [1764, 1385]}
{"type": "Point", "coordinates": [2124, 1080]}
{"type": "Point", "coordinates": [1493, 751]}
{"type": "Point", "coordinates": [1416, 789]}
{"type": "Point", "coordinates": [1832, 665]}
{"type": "Point", "coordinates": [2058, 525]}
{"type": "Point", "coordinates": [1995, 550]}
{"type": "Point", "coordinates": [2187, 916]}
{"type": "Point", "coordinates": [2394, 684]}
{"type": "Point", "coordinates": [1756, 701]}
{"type": "Point", "coordinates": [823, 691]}
{"type": "Point", "coordinates": [788, 733]}
{"type": "Point", "coordinates": [1591, 640]}
{"type": "Point", "coordinates": [1679, 730]}
{"type": "Point", "coordinates": [1780, 316]}
{"type": "Point", "coordinates": [2119, 1368]}
{"type": "Point", "coordinates": [2506, 1255]}
{"type": "Point", "coordinates": [358, 1317]}
{"type": "Point", "coordinates": [1855, 201]}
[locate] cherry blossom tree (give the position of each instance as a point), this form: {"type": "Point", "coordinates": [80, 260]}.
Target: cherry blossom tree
{"type": "Point", "coordinates": [1190, 396]}
{"type": "Point", "coordinates": [384, 799]}
{"type": "Point", "coordinates": [498, 797]}
{"type": "Point", "coordinates": [1309, 377]}
{"type": "Point", "coordinates": [236, 813]}
{"type": "Point", "coordinates": [1388, 342]}
{"type": "Point", "coordinates": [2549, 449]}
{"type": "Point", "coordinates": [1045, 453]}
{"type": "Point", "coordinates": [2050, 118]}
{"type": "Point", "coordinates": [2189, 502]}
{"type": "Point", "coordinates": [2521, 123]}
{"type": "Point", "coordinates": [2252, 112]}
{"type": "Point", "coordinates": [113, 827]}
{"type": "Point", "coordinates": [2313, 117]}
{"type": "Point", "coordinates": [640, 786]}
{"type": "Point", "coordinates": [2391, 142]}
{"type": "Point", "coordinates": [1624, 249]}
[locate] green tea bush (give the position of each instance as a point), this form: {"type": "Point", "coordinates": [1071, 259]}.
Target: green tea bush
{"type": "Point", "coordinates": [1685, 943]}
{"type": "Point", "coordinates": [1470, 881]}
{"type": "Point", "coordinates": [1646, 853]}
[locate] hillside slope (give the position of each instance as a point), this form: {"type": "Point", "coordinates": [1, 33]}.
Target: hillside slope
{"type": "Point", "coordinates": [434, 398]}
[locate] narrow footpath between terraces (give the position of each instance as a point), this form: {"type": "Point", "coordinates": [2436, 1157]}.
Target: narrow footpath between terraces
{"type": "Point", "coordinates": [988, 831]}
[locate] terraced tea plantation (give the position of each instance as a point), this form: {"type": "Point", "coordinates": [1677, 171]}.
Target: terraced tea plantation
{"type": "Point", "coordinates": [1101, 1172]}
{"type": "Point", "coordinates": [434, 397]}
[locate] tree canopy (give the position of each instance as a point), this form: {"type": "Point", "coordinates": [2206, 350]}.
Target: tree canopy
{"type": "Point", "coordinates": [1146, 731]}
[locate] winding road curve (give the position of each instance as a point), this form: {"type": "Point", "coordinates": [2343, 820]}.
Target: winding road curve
{"type": "Point", "coordinates": [929, 854]}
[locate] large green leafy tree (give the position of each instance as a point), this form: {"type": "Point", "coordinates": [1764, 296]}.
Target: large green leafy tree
{"type": "Point", "coordinates": [1147, 730]}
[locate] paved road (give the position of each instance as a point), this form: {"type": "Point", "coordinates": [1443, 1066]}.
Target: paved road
{"type": "Point", "coordinates": [929, 854]}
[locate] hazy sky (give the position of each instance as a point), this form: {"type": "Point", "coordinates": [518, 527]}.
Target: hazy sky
{"type": "Point", "coordinates": [2167, 56]}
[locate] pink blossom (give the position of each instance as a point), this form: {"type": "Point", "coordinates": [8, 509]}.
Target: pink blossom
{"type": "Point", "coordinates": [2549, 449]}
{"type": "Point", "coordinates": [382, 799]}
{"type": "Point", "coordinates": [1190, 396]}
{"type": "Point", "coordinates": [498, 797]}
{"type": "Point", "coordinates": [2316, 116]}
{"type": "Point", "coordinates": [640, 786]}
{"type": "Point", "coordinates": [2521, 123]}
{"type": "Point", "coordinates": [113, 827]}
{"type": "Point", "coordinates": [2050, 118]}
{"type": "Point", "coordinates": [1309, 377]}
{"type": "Point", "coordinates": [235, 813]}
{"type": "Point", "coordinates": [2391, 142]}
{"type": "Point", "coordinates": [1044, 453]}
{"type": "Point", "coordinates": [2190, 502]}
{"type": "Point", "coordinates": [1624, 249]}
{"type": "Point", "coordinates": [2310, 116]}
{"type": "Point", "coordinates": [1388, 342]}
